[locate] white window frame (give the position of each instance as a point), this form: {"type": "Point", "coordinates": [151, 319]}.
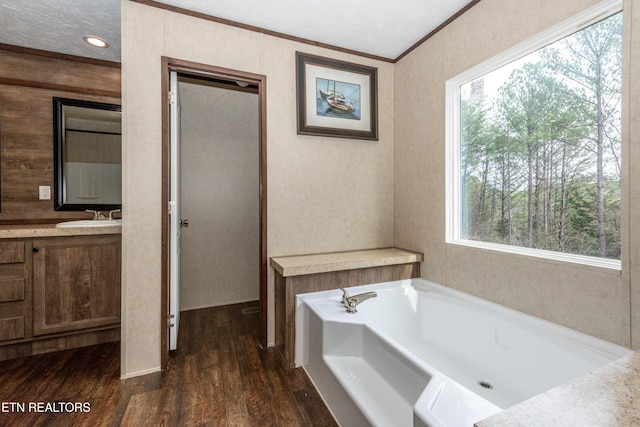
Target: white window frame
{"type": "Point", "coordinates": [578, 22]}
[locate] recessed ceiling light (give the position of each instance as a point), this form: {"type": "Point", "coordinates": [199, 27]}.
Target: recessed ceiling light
{"type": "Point", "coordinates": [96, 41]}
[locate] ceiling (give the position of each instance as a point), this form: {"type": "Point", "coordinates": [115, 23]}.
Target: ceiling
{"type": "Point", "coordinates": [381, 28]}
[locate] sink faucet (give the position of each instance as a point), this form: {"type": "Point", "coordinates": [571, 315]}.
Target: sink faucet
{"type": "Point", "coordinates": [351, 302]}
{"type": "Point", "coordinates": [101, 215]}
{"type": "Point", "coordinates": [112, 212]}
{"type": "Point", "coordinates": [96, 214]}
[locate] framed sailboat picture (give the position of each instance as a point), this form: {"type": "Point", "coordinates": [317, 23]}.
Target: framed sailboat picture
{"type": "Point", "coordinates": [336, 98]}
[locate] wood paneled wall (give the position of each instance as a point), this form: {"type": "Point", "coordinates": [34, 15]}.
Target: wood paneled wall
{"type": "Point", "coordinates": [28, 81]}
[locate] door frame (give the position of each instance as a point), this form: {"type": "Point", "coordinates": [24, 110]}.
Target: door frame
{"type": "Point", "coordinates": [211, 71]}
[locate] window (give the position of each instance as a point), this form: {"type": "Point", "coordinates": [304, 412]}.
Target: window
{"type": "Point", "coordinates": [535, 145]}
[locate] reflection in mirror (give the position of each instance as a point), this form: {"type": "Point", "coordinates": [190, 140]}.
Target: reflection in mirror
{"type": "Point", "coordinates": [87, 155]}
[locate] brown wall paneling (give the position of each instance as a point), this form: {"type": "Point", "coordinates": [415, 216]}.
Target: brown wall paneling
{"type": "Point", "coordinates": [28, 83]}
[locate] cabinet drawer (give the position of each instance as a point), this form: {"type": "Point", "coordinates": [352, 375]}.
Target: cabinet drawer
{"type": "Point", "coordinates": [11, 252]}
{"type": "Point", "coordinates": [12, 328]}
{"type": "Point", "coordinates": [11, 289]}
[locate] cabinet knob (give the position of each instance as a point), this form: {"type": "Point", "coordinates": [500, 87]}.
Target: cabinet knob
{"type": "Point", "coordinates": [36, 249]}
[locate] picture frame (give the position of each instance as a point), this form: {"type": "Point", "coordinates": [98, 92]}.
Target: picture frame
{"type": "Point", "coordinates": [336, 98]}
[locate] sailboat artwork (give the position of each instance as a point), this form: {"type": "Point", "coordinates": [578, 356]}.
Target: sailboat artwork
{"type": "Point", "coordinates": [337, 99]}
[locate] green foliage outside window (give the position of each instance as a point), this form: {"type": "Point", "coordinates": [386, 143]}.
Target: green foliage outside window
{"type": "Point", "coordinates": [540, 152]}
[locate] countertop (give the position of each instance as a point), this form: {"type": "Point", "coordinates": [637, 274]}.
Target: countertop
{"type": "Point", "coordinates": [337, 261]}
{"type": "Point", "coordinates": [608, 396]}
{"type": "Point", "coordinates": [50, 230]}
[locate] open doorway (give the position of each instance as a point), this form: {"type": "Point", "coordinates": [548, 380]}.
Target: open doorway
{"type": "Point", "coordinates": [214, 188]}
{"type": "Point", "coordinates": [220, 185]}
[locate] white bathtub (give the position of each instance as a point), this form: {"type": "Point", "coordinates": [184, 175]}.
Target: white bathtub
{"type": "Point", "coordinates": [423, 355]}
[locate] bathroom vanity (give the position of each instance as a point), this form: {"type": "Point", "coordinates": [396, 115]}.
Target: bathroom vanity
{"type": "Point", "coordinates": [59, 288]}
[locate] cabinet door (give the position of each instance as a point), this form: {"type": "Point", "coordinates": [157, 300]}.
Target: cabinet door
{"type": "Point", "coordinates": [76, 283]}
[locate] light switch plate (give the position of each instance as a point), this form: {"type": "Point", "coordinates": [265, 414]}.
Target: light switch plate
{"type": "Point", "coordinates": [45, 192]}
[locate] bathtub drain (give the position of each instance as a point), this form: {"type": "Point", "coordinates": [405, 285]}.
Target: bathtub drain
{"type": "Point", "coordinates": [485, 384]}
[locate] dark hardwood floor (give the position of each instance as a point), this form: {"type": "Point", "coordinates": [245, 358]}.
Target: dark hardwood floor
{"type": "Point", "coordinates": [219, 376]}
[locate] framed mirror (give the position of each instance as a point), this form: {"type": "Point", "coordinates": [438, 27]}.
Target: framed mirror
{"type": "Point", "coordinates": [87, 155]}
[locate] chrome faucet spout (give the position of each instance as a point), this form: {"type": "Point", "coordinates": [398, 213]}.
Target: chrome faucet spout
{"type": "Point", "coordinates": [112, 212]}
{"type": "Point", "coordinates": [363, 297]}
{"type": "Point", "coordinates": [351, 302]}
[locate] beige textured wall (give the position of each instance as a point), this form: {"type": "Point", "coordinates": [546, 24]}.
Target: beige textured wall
{"type": "Point", "coordinates": [219, 257]}
{"type": "Point", "coordinates": [329, 194]}
{"type": "Point", "coordinates": [324, 194]}
{"type": "Point", "coordinates": [596, 301]}
{"type": "Point", "coordinates": [630, 135]}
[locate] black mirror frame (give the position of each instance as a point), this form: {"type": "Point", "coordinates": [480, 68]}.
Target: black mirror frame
{"type": "Point", "coordinates": [58, 153]}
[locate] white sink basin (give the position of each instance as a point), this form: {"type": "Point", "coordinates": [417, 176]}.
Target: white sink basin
{"type": "Point", "coordinates": [90, 223]}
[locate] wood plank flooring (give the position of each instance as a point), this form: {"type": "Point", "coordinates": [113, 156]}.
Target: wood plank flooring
{"type": "Point", "coordinates": [219, 376]}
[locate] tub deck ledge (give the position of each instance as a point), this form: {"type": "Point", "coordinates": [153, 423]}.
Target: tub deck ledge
{"type": "Point", "coordinates": [606, 396]}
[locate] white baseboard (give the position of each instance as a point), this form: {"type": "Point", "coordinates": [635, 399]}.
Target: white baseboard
{"type": "Point", "coordinates": [140, 373]}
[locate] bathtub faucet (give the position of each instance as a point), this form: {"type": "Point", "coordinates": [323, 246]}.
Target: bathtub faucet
{"type": "Point", "coordinates": [351, 302]}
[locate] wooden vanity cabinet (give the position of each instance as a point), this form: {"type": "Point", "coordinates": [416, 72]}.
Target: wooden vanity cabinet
{"type": "Point", "coordinates": [58, 293]}
{"type": "Point", "coordinates": [76, 283]}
